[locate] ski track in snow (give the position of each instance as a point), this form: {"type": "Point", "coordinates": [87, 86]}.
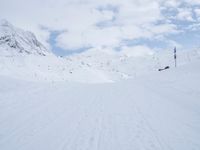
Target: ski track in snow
{"type": "Point", "coordinates": [95, 126]}
{"type": "Point", "coordinates": [122, 116]}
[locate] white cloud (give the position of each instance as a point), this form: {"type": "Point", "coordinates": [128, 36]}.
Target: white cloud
{"type": "Point", "coordinates": [137, 51]}
{"type": "Point", "coordinates": [172, 44]}
{"type": "Point", "coordinates": [163, 29]}
{"type": "Point", "coordinates": [80, 20]}
{"type": "Point", "coordinates": [134, 32]}
{"type": "Point", "coordinates": [193, 2]}
{"type": "Point", "coordinates": [185, 15]}
{"type": "Point", "coordinates": [197, 13]}
{"type": "Point", "coordinates": [172, 3]}
{"type": "Point", "coordinates": [93, 37]}
{"type": "Point", "coordinates": [194, 27]}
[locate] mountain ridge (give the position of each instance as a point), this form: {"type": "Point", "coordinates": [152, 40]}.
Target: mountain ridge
{"type": "Point", "coordinates": [15, 41]}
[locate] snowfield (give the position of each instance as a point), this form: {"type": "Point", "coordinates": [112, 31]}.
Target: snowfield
{"type": "Point", "coordinates": [96, 100]}
{"type": "Point", "coordinates": [158, 111]}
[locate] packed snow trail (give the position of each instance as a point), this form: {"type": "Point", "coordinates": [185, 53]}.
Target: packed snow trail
{"type": "Point", "coordinates": [156, 112]}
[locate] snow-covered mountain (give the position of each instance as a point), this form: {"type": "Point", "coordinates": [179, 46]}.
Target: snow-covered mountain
{"type": "Point", "coordinates": [15, 41]}
{"type": "Point", "coordinates": [22, 56]}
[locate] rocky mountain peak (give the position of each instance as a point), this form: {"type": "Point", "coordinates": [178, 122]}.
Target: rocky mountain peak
{"type": "Point", "coordinates": [17, 41]}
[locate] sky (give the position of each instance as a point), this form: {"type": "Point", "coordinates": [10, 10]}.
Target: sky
{"type": "Point", "coordinates": [74, 26]}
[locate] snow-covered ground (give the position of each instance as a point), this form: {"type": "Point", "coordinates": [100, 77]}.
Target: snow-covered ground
{"type": "Point", "coordinates": [96, 100]}
{"type": "Point", "coordinates": [157, 111]}
{"type": "Point", "coordinates": [93, 66]}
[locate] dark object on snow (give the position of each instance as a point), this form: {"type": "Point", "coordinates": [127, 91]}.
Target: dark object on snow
{"type": "Point", "coordinates": [175, 57]}
{"type": "Point", "coordinates": [167, 67]}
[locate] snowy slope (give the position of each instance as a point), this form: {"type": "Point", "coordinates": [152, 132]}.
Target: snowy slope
{"type": "Point", "coordinates": [22, 56]}
{"type": "Point", "coordinates": [15, 41]}
{"type": "Point", "coordinates": [90, 67]}
{"type": "Point", "coordinates": [158, 111]}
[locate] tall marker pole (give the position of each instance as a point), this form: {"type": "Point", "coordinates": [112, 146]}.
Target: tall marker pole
{"type": "Point", "coordinates": [175, 56]}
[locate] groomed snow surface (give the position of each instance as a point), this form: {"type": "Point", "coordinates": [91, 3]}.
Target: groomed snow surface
{"type": "Point", "coordinates": [158, 111]}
